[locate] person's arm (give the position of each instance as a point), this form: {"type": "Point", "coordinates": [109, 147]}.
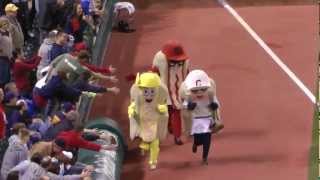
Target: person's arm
{"type": "Point", "coordinates": [26, 66]}
{"type": "Point", "coordinates": [81, 143]}
{"type": "Point", "coordinates": [21, 167]}
{"type": "Point", "coordinates": [97, 69]}
{"type": "Point", "coordinates": [85, 86]}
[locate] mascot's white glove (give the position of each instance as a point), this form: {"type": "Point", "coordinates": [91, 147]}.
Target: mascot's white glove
{"type": "Point", "coordinates": [162, 108]}
{"type": "Point", "coordinates": [131, 109]}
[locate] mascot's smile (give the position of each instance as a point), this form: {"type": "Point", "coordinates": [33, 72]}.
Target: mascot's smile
{"type": "Point", "coordinates": [148, 94]}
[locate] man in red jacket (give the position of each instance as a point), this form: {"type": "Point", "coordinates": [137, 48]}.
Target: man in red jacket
{"type": "Point", "coordinates": [21, 72]}
{"type": "Point", "coordinates": [73, 141]}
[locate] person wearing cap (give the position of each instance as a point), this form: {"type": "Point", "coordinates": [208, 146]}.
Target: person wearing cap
{"type": "Point", "coordinates": [44, 52]}
{"type": "Point", "coordinates": [148, 114]}
{"type": "Point", "coordinates": [6, 49]}
{"type": "Point", "coordinates": [124, 16]}
{"type": "Point", "coordinates": [201, 110]}
{"type": "Point", "coordinates": [172, 64]}
{"type": "Point", "coordinates": [15, 28]}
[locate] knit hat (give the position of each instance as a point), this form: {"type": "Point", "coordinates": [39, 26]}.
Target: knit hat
{"type": "Point", "coordinates": [197, 79]}
{"type": "Point", "coordinates": [60, 143]}
{"type": "Point", "coordinates": [174, 51]}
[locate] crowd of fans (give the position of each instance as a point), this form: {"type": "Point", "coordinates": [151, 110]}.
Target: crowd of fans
{"type": "Point", "coordinates": [40, 128]}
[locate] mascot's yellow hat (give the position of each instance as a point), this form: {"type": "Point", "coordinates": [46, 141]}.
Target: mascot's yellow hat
{"type": "Point", "coordinates": [148, 80]}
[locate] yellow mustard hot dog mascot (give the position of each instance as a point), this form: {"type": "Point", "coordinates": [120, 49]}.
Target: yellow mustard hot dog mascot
{"type": "Point", "coordinates": [148, 114]}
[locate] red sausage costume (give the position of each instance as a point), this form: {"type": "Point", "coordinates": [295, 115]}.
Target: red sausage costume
{"type": "Point", "coordinates": [172, 64]}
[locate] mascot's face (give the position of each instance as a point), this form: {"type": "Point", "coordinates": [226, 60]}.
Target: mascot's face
{"type": "Point", "coordinates": [149, 94]}
{"type": "Point", "coordinates": [198, 93]}
{"type": "Point", "coordinates": [177, 64]}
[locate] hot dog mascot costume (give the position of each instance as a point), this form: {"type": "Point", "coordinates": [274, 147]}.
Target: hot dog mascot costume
{"type": "Point", "coordinates": [201, 110]}
{"type": "Point", "coordinates": [148, 113]}
{"type": "Point", "coordinates": [172, 64]}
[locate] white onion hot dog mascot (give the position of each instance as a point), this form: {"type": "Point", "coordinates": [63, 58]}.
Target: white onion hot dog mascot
{"type": "Point", "coordinates": [148, 113]}
{"type": "Point", "coordinates": [172, 64]}
{"type": "Point", "coordinates": [200, 110]}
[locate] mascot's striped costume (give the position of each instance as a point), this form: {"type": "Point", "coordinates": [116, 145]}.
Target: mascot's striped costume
{"type": "Point", "coordinates": [148, 113]}
{"type": "Point", "coordinates": [201, 112]}
{"type": "Point", "coordinates": [172, 64]}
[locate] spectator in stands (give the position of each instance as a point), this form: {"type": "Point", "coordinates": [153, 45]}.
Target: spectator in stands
{"type": "Point", "coordinates": [10, 108]}
{"type": "Point", "coordinates": [63, 121]}
{"type": "Point", "coordinates": [51, 148]}
{"type": "Point", "coordinates": [55, 88]}
{"type": "Point", "coordinates": [18, 116]}
{"type": "Point", "coordinates": [3, 120]}
{"type": "Point", "coordinates": [23, 15]}
{"type": "Point", "coordinates": [22, 74]}
{"type": "Point", "coordinates": [16, 153]}
{"type": "Point", "coordinates": [81, 47]}
{"type": "Point", "coordinates": [59, 46]}
{"type": "Point", "coordinates": [76, 23]}
{"type": "Point", "coordinates": [14, 132]}
{"type": "Point", "coordinates": [51, 16]}
{"type": "Point", "coordinates": [74, 141]}
{"type": "Point", "coordinates": [15, 28]}
{"type": "Point", "coordinates": [39, 170]}
{"type": "Point", "coordinates": [72, 66]}
{"type": "Point", "coordinates": [124, 16]}
{"type": "Point", "coordinates": [11, 87]}
{"type": "Point", "coordinates": [44, 52]}
{"type": "Point", "coordinates": [6, 48]}
{"type": "Point", "coordinates": [22, 166]}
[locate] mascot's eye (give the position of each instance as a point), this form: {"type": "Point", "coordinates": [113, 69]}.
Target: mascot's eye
{"type": "Point", "coordinates": [152, 91]}
{"type": "Point", "coordinates": [145, 91]}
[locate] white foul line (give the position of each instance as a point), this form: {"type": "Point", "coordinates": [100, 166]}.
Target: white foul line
{"type": "Point", "coordinates": [274, 57]}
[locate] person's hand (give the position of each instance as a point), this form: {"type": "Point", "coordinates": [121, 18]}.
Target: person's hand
{"type": "Point", "coordinates": [105, 137]}
{"type": "Point", "coordinates": [90, 168]}
{"type": "Point", "coordinates": [131, 109]}
{"type": "Point", "coordinates": [213, 106]}
{"type": "Point", "coordinates": [92, 131]}
{"type": "Point", "coordinates": [162, 108]}
{"type": "Point", "coordinates": [191, 105]}
{"type": "Point", "coordinates": [85, 173]}
{"type": "Point", "coordinates": [113, 79]}
{"type": "Point", "coordinates": [112, 69]}
{"type": "Point", "coordinates": [37, 120]}
{"type": "Point", "coordinates": [111, 147]}
{"type": "Point", "coordinates": [114, 90]}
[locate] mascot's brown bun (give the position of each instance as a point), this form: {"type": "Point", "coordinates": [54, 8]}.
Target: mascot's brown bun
{"type": "Point", "coordinates": [174, 51]}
